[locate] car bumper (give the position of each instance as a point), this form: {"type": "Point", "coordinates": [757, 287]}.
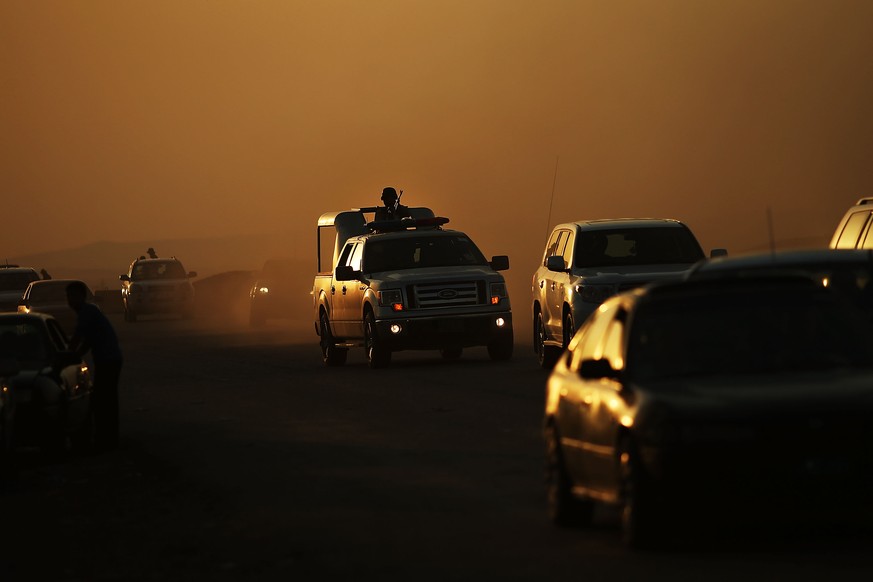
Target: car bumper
{"type": "Point", "coordinates": [444, 331]}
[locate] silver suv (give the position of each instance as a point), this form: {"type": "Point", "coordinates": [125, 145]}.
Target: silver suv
{"type": "Point", "coordinates": [588, 261]}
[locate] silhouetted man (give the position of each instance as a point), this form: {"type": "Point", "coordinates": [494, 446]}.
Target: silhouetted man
{"type": "Point", "coordinates": [94, 332]}
{"type": "Point", "coordinates": [392, 209]}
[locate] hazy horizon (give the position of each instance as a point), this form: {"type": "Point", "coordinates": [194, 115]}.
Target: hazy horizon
{"type": "Point", "coordinates": [170, 120]}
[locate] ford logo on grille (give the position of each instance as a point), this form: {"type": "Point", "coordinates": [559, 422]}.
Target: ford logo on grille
{"type": "Point", "coordinates": [447, 294]}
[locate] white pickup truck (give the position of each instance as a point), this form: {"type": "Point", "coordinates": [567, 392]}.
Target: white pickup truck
{"type": "Point", "coordinates": [406, 284]}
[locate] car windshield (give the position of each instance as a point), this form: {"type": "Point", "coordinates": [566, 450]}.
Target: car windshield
{"type": "Point", "coordinates": [16, 281]}
{"type": "Point", "coordinates": [397, 254]}
{"type": "Point", "coordinates": [753, 332]}
{"type": "Point", "coordinates": [636, 246]}
{"type": "Point", "coordinates": [158, 270]}
{"type": "Point", "coordinates": [23, 342]}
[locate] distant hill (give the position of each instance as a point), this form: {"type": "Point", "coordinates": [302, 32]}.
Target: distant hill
{"type": "Point", "coordinates": [99, 264]}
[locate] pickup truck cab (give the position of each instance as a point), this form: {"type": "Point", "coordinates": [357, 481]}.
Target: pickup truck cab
{"type": "Point", "coordinates": [406, 284]}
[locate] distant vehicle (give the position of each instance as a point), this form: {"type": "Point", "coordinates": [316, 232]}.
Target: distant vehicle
{"type": "Point", "coordinates": [157, 287]}
{"type": "Point", "coordinates": [718, 399]}
{"type": "Point", "coordinates": [13, 282]}
{"type": "Point", "coordinates": [587, 261]}
{"type": "Point", "coordinates": [46, 389]}
{"type": "Point", "coordinates": [847, 271]}
{"type": "Point", "coordinates": [406, 284]}
{"type": "Point", "coordinates": [272, 295]}
{"type": "Point", "coordinates": [853, 232]}
{"type": "Point", "coordinates": [50, 296]}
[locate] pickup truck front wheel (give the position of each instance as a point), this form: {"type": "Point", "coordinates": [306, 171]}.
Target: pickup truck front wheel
{"type": "Point", "coordinates": [378, 354]}
{"type": "Point", "coordinates": [330, 354]}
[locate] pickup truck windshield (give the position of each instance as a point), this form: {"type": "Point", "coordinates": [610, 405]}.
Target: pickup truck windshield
{"type": "Point", "coordinates": [421, 251]}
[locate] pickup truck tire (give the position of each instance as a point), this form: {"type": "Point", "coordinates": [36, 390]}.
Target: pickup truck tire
{"type": "Point", "coordinates": [500, 348]}
{"type": "Point", "coordinates": [378, 354]}
{"type": "Point", "coordinates": [330, 354]}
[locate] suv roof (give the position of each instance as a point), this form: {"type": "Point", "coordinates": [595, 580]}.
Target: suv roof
{"type": "Point", "coordinates": [606, 223]}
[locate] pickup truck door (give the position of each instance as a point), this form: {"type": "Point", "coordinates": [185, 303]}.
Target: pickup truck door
{"type": "Point", "coordinates": [352, 296]}
{"type": "Point", "coordinates": [339, 316]}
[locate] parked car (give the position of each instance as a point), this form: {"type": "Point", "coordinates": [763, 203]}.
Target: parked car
{"type": "Point", "coordinates": [587, 261]}
{"type": "Point", "coordinates": [272, 295]}
{"type": "Point", "coordinates": [847, 271]}
{"type": "Point", "coordinates": [716, 399]}
{"type": "Point", "coordinates": [13, 281]}
{"type": "Point", "coordinates": [50, 296]}
{"type": "Point", "coordinates": [158, 286]}
{"type": "Point", "coordinates": [853, 232]}
{"type": "Point", "coordinates": [46, 388]}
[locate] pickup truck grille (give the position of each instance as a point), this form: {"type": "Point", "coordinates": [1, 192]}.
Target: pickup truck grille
{"type": "Point", "coordinates": [455, 294]}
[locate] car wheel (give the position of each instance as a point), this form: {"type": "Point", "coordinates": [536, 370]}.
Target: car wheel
{"type": "Point", "coordinates": [546, 355]}
{"type": "Point", "coordinates": [378, 355]}
{"type": "Point", "coordinates": [451, 353]}
{"type": "Point", "coordinates": [564, 509]}
{"type": "Point", "coordinates": [636, 508]}
{"type": "Point", "coordinates": [500, 348]}
{"type": "Point", "coordinates": [330, 354]}
{"type": "Point", "coordinates": [568, 329]}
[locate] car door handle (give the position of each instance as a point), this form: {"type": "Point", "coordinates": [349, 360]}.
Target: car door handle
{"type": "Point", "coordinates": [542, 283]}
{"type": "Point", "coordinates": [553, 287]}
{"type": "Point", "coordinates": [332, 290]}
{"type": "Point", "coordinates": [344, 289]}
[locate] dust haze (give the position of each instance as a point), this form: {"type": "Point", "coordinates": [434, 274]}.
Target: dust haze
{"type": "Point", "coordinates": [134, 123]}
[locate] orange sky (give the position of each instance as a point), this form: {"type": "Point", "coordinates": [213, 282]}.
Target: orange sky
{"type": "Point", "coordinates": [131, 121]}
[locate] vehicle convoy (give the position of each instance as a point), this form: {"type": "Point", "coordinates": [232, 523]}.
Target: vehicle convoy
{"type": "Point", "coordinates": [158, 286]}
{"type": "Point", "coordinates": [684, 415]}
{"type": "Point", "coordinates": [406, 284]}
{"type": "Point", "coordinates": [588, 261]}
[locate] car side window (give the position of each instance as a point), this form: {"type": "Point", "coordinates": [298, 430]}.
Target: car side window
{"type": "Point", "coordinates": [346, 254]}
{"type": "Point", "coordinates": [355, 260]}
{"type": "Point", "coordinates": [568, 249]}
{"type": "Point", "coordinates": [556, 244]}
{"type": "Point", "coordinates": [852, 231]}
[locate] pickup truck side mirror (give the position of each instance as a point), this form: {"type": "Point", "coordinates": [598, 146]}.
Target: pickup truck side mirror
{"type": "Point", "coordinates": [346, 273]}
{"type": "Point", "coordinates": [124, 277]}
{"type": "Point", "coordinates": [717, 253]}
{"type": "Point", "coordinates": [500, 262]}
{"type": "Point", "coordinates": [594, 369]}
{"type": "Point", "coordinates": [556, 263]}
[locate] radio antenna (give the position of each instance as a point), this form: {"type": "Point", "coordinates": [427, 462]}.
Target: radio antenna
{"type": "Point", "coordinates": [552, 198]}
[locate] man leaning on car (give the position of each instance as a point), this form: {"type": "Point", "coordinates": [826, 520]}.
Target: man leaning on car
{"type": "Point", "coordinates": [94, 332]}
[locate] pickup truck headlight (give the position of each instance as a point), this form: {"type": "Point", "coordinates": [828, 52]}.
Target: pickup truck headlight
{"type": "Point", "coordinates": [498, 292]}
{"type": "Point", "coordinates": [595, 293]}
{"type": "Point", "coordinates": [391, 297]}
